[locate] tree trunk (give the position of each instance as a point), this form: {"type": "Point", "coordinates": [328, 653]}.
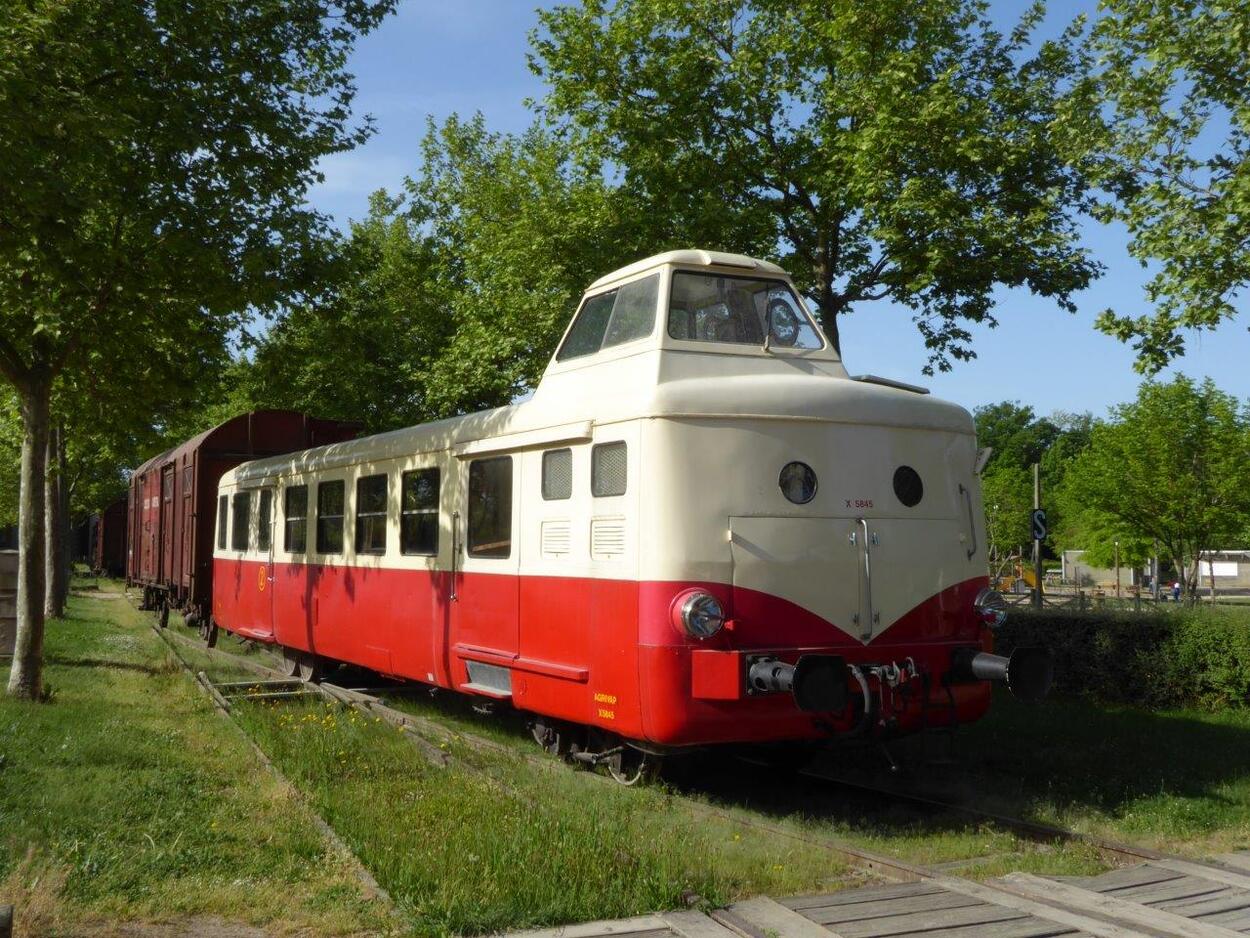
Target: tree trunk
{"type": "Point", "coordinates": [54, 530]}
{"type": "Point", "coordinates": [26, 675]}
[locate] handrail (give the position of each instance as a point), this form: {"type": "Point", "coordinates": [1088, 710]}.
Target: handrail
{"type": "Point", "coordinates": [866, 632]}
{"type": "Point", "coordinates": [455, 552]}
{"type": "Point", "coordinates": [972, 527]}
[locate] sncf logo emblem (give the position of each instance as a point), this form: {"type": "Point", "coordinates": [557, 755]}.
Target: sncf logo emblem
{"type": "Point", "coordinates": [260, 578]}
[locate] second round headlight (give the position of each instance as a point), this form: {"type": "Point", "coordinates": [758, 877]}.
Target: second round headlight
{"type": "Point", "coordinates": [702, 615]}
{"type": "Point", "coordinates": [990, 608]}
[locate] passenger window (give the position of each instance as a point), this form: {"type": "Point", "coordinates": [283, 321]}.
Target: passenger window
{"type": "Point", "coordinates": [330, 517]}
{"type": "Point", "coordinates": [557, 474]}
{"type": "Point", "coordinates": [613, 318]}
{"type": "Point", "coordinates": [295, 535]}
{"type": "Point", "coordinates": [264, 519]}
{"type": "Point", "coordinates": [608, 469]}
{"type": "Point", "coordinates": [242, 517]}
{"type": "Point", "coordinates": [371, 514]}
{"type": "Point", "coordinates": [223, 512]}
{"type": "Point", "coordinates": [418, 521]}
{"type": "Point", "coordinates": [490, 507]}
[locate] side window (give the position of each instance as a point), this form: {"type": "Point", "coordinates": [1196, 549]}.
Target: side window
{"type": "Point", "coordinates": [330, 517]}
{"type": "Point", "coordinates": [418, 519]}
{"type": "Point", "coordinates": [223, 513]}
{"type": "Point", "coordinates": [557, 474]}
{"type": "Point", "coordinates": [371, 492]}
{"type": "Point", "coordinates": [608, 469]}
{"type": "Point", "coordinates": [490, 507]}
{"type": "Point", "coordinates": [264, 519]}
{"type": "Point", "coordinates": [295, 534]}
{"type": "Point", "coordinates": [613, 318]}
{"type": "Point", "coordinates": [242, 517]}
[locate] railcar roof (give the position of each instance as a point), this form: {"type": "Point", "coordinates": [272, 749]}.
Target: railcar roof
{"type": "Point", "coordinates": [691, 258]}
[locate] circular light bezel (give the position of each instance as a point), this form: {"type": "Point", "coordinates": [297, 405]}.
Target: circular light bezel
{"type": "Point", "coordinates": [990, 608]}
{"type": "Point", "coordinates": [702, 615]}
{"type": "Point", "coordinates": [810, 476]}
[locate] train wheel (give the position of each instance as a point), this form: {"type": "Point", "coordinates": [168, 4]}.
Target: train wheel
{"type": "Point", "coordinates": [553, 736]}
{"type": "Point", "coordinates": [309, 668]}
{"type": "Point", "coordinates": [164, 615]}
{"type": "Point", "coordinates": [290, 662]}
{"type": "Point", "coordinates": [629, 766]}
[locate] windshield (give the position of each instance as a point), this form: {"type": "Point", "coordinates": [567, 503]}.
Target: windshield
{"type": "Point", "coordinates": [717, 308]}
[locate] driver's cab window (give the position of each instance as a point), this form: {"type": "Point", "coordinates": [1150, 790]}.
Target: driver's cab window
{"type": "Point", "coordinates": [717, 308]}
{"type": "Point", "coordinates": [613, 318]}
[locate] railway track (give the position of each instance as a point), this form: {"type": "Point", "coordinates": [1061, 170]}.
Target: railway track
{"type": "Point", "coordinates": [870, 861]}
{"type": "Point", "coordinates": [1019, 904]}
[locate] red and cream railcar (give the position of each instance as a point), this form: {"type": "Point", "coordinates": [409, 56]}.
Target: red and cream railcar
{"type": "Point", "coordinates": [172, 498]}
{"type": "Point", "coordinates": [700, 529]}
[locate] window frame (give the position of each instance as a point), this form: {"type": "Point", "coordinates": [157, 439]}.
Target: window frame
{"type": "Point", "coordinates": [241, 522]}
{"type": "Point", "coordinates": [542, 481]}
{"type": "Point", "coordinates": [614, 291]}
{"type": "Point", "coordinates": [360, 516]}
{"type": "Point", "coordinates": [757, 278]}
{"type": "Point", "coordinates": [477, 553]}
{"type": "Point", "coordinates": [594, 453]}
{"type": "Point", "coordinates": [288, 519]}
{"type": "Point", "coordinates": [223, 521]}
{"type": "Point", "coordinates": [405, 513]}
{"type": "Point", "coordinates": [264, 525]}
{"type": "Point", "coordinates": [340, 518]}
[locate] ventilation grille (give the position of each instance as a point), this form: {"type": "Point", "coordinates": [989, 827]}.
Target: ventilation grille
{"type": "Point", "coordinates": [557, 538]}
{"type": "Point", "coordinates": [607, 538]}
{"type": "Point", "coordinates": [607, 469]}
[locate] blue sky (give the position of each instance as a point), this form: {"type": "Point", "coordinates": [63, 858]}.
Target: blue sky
{"type": "Point", "coordinates": [441, 58]}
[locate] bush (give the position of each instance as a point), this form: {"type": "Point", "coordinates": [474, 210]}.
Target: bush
{"type": "Point", "coordinates": [1159, 659]}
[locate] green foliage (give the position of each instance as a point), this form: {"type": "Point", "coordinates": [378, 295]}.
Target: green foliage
{"type": "Point", "coordinates": [1007, 493]}
{"type": "Point", "coordinates": [363, 352]}
{"type": "Point", "coordinates": [1171, 79]}
{"type": "Point", "coordinates": [1170, 657]}
{"type": "Point", "coordinates": [1017, 435]}
{"type": "Point", "coordinates": [1169, 468]}
{"type": "Point", "coordinates": [900, 150]}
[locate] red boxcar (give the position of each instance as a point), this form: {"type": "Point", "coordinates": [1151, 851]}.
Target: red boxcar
{"type": "Point", "coordinates": [173, 497]}
{"type": "Point", "coordinates": [108, 540]}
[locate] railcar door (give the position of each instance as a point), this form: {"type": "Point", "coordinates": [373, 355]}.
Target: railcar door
{"type": "Point", "coordinates": [264, 546]}
{"type": "Point", "coordinates": [166, 570]}
{"type": "Point", "coordinates": [484, 633]}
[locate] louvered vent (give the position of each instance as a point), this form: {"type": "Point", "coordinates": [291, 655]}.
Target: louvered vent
{"type": "Point", "coordinates": [557, 538]}
{"type": "Point", "coordinates": [607, 538]}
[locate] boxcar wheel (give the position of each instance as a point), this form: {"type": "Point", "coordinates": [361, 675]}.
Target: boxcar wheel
{"type": "Point", "coordinates": [164, 616]}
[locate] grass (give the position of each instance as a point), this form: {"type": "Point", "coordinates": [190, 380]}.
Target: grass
{"type": "Point", "coordinates": [127, 798]}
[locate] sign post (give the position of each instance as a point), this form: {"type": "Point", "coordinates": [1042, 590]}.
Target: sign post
{"type": "Point", "coordinates": [1039, 535]}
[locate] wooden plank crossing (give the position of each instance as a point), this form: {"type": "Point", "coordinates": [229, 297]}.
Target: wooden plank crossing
{"type": "Point", "coordinates": [1169, 898]}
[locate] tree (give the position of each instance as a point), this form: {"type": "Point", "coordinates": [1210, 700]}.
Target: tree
{"type": "Point", "coordinates": [1171, 154]}
{"type": "Point", "coordinates": [1016, 434]}
{"type": "Point", "coordinates": [908, 151]}
{"type": "Point", "coordinates": [1169, 468]}
{"type": "Point", "coordinates": [520, 226]}
{"type": "Point", "coordinates": [1007, 492]}
{"type": "Point", "coordinates": [364, 351]}
{"type": "Point", "coordinates": [156, 161]}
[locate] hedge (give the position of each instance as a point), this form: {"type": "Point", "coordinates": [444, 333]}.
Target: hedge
{"type": "Point", "coordinates": [1159, 659]}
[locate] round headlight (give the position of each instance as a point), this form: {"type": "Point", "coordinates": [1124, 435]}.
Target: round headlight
{"type": "Point", "coordinates": [702, 615]}
{"type": "Point", "coordinates": [798, 482]}
{"type": "Point", "coordinates": [990, 608]}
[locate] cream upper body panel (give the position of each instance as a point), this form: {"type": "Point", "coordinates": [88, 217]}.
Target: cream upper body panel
{"type": "Point", "coordinates": [708, 425]}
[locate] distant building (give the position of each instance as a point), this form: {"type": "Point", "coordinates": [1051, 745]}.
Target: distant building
{"type": "Point", "coordinates": [1230, 568]}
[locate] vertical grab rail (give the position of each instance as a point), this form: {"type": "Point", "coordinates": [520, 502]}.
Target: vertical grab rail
{"type": "Point", "coordinates": [866, 631]}
{"type": "Point", "coordinates": [455, 552]}
{"type": "Point", "coordinates": [972, 527]}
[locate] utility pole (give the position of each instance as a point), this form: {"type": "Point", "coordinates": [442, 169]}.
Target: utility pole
{"type": "Point", "coordinates": [1037, 535]}
{"type": "Point", "coordinates": [1117, 569]}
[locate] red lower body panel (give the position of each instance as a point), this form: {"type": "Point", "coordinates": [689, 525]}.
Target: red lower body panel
{"type": "Point", "coordinates": [595, 651]}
